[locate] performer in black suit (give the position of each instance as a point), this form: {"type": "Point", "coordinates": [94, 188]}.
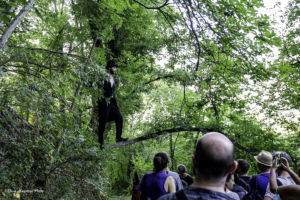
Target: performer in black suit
{"type": "Point", "coordinates": [108, 108]}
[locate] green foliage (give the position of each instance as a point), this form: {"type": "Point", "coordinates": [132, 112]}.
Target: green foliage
{"type": "Point", "coordinates": [191, 64]}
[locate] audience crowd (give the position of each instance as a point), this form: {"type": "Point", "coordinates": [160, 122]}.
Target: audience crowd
{"type": "Point", "coordinates": [218, 176]}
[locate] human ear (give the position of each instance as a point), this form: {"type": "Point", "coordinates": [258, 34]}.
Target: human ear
{"type": "Point", "coordinates": [194, 161]}
{"type": "Point", "coordinates": [233, 167]}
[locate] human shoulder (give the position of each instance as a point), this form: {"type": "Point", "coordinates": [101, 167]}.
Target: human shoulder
{"type": "Point", "coordinates": [193, 193]}
{"type": "Point", "coordinates": [171, 173]}
{"type": "Point", "coordinates": [189, 179]}
{"type": "Point", "coordinates": [145, 177]}
{"type": "Point", "coordinates": [245, 178]}
{"type": "Point", "coordinates": [147, 174]}
{"type": "Point", "coordinates": [238, 188]}
{"type": "Point", "coordinates": [261, 178]}
{"type": "Point", "coordinates": [233, 195]}
{"type": "Point", "coordinates": [177, 179]}
{"type": "Point", "coordinates": [286, 180]}
{"type": "Point", "coordinates": [189, 176]}
{"type": "Point", "coordinates": [170, 180]}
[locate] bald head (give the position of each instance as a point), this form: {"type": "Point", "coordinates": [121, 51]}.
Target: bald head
{"type": "Point", "coordinates": [213, 156]}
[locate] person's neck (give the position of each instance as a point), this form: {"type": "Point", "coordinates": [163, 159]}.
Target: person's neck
{"type": "Point", "coordinates": [227, 190]}
{"type": "Point", "coordinates": [284, 174]}
{"type": "Point", "coordinates": [164, 170]}
{"type": "Point", "coordinates": [266, 171]}
{"type": "Point", "coordinates": [183, 175]}
{"type": "Point", "coordinates": [217, 186]}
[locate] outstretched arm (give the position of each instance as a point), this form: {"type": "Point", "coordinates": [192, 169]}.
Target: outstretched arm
{"type": "Point", "coordinates": [289, 192]}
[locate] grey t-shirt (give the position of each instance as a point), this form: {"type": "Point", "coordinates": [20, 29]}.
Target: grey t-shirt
{"type": "Point", "coordinates": [283, 181]}
{"type": "Point", "coordinates": [194, 193]}
{"type": "Point", "coordinates": [177, 179]}
{"type": "Point", "coordinates": [233, 195]}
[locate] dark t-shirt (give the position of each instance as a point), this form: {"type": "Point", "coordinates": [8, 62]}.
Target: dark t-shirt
{"type": "Point", "coordinates": [239, 190]}
{"type": "Point", "coordinates": [188, 179]}
{"type": "Point", "coordinates": [193, 193]}
{"type": "Point", "coordinates": [244, 182]}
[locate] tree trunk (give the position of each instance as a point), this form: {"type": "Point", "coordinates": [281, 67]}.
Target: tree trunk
{"type": "Point", "coordinates": [171, 151]}
{"type": "Point", "coordinates": [14, 23]}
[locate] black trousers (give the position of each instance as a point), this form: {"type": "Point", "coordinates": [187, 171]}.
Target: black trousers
{"type": "Point", "coordinates": [109, 111]}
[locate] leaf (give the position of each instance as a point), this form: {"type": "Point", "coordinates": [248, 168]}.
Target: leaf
{"type": "Point", "coordinates": [37, 12]}
{"type": "Point", "coordinates": [12, 15]}
{"type": "Point", "coordinates": [5, 19]}
{"type": "Point", "coordinates": [12, 4]}
{"type": "Point", "coordinates": [23, 2]}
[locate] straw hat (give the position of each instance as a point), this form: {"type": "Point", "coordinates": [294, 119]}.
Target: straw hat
{"type": "Point", "coordinates": [264, 158]}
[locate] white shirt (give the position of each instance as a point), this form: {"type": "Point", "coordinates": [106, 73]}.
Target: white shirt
{"type": "Point", "coordinates": [284, 181]}
{"type": "Point", "coordinates": [112, 81]}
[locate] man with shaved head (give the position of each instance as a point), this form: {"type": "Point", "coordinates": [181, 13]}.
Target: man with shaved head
{"type": "Point", "coordinates": [212, 162]}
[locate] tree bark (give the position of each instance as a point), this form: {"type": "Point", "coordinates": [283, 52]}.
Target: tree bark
{"type": "Point", "coordinates": [180, 129]}
{"type": "Point", "coordinates": [15, 23]}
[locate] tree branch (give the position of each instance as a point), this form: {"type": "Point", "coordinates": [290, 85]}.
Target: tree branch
{"type": "Point", "coordinates": [84, 69]}
{"type": "Point", "coordinates": [180, 129]}
{"type": "Point", "coordinates": [198, 47]}
{"type": "Point", "coordinates": [158, 78]}
{"type": "Point", "coordinates": [153, 80]}
{"type": "Point", "coordinates": [50, 51]}
{"type": "Point", "coordinates": [15, 23]}
{"type": "Point", "coordinates": [153, 8]}
{"type": "Point", "coordinates": [75, 95]}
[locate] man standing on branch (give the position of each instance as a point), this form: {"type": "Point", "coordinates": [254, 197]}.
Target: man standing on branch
{"type": "Point", "coordinates": [108, 108]}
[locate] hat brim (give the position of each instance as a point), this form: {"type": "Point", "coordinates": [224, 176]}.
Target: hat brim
{"type": "Point", "coordinates": [269, 165]}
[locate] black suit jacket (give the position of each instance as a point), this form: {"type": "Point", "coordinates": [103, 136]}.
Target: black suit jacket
{"type": "Point", "coordinates": [108, 90]}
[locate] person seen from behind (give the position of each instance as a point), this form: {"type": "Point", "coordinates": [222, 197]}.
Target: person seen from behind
{"type": "Point", "coordinates": [258, 183]}
{"type": "Point", "coordinates": [285, 192]}
{"type": "Point", "coordinates": [229, 187]}
{"type": "Point", "coordinates": [176, 178]}
{"type": "Point", "coordinates": [283, 178]}
{"type": "Point", "coordinates": [186, 179]}
{"type": "Point", "coordinates": [213, 160]}
{"type": "Point", "coordinates": [157, 183]}
{"type": "Point", "coordinates": [241, 172]}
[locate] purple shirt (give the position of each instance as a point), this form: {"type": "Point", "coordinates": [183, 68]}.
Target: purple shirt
{"type": "Point", "coordinates": [153, 185]}
{"type": "Point", "coordinates": [262, 182]}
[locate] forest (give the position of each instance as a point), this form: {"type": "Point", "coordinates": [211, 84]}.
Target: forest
{"type": "Point", "coordinates": [185, 68]}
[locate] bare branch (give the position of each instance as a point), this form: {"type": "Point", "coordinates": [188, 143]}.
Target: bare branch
{"type": "Point", "coordinates": [50, 51]}
{"type": "Point", "coordinates": [156, 79]}
{"type": "Point", "coordinates": [14, 23]}
{"type": "Point", "coordinates": [174, 130]}
{"type": "Point", "coordinates": [198, 47]}
{"type": "Point", "coordinates": [36, 64]}
{"type": "Point", "coordinates": [153, 8]}
{"type": "Point", "coordinates": [21, 72]}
